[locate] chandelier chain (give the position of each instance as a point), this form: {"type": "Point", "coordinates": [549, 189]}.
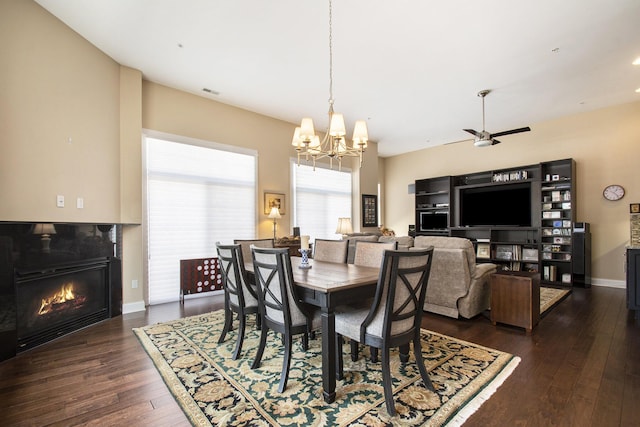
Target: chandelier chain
{"type": "Point", "coordinates": [330, 54]}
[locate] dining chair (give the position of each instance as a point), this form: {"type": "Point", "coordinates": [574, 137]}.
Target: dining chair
{"type": "Point", "coordinates": [246, 246]}
{"type": "Point", "coordinates": [370, 254]}
{"type": "Point", "coordinates": [280, 308]}
{"type": "Point", "coordinates": [394, 318]}
{"type": "Point", "coordinates": [240, 296]}
{"type": "Point", "coordinates": [330, 250]}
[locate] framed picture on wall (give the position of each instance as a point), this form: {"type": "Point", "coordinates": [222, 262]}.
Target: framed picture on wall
{"type": "Point", "coordinates": [369, 210]}
{"type": "Point", "coordinates": [274, 200]}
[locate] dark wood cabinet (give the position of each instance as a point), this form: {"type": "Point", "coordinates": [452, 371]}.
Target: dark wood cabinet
{"type": "Point", "coordinates": [633, 280]}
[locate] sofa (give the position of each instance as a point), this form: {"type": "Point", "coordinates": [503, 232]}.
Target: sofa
{"type": "Point", "coordinates": [404, 242]}
{"type": "Point", "coordinates": [457, 287]}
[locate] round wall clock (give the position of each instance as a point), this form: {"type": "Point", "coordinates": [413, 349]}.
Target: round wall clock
{"type": "Point", "coordinates": [613, 192]}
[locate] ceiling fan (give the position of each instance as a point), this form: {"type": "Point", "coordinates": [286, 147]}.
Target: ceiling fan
{"type": "Point", "coordinates": [484, 138]}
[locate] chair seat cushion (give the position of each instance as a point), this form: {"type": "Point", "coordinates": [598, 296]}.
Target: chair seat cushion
{"type": "Point", "coordinates": [349, 319]}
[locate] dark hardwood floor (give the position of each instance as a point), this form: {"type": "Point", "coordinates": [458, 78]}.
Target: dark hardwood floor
{"type": "Point", "coordinates": [580, 367]}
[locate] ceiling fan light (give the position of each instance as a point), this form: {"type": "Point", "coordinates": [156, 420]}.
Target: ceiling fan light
{"type": "Point", "coordinates": [482, 142]}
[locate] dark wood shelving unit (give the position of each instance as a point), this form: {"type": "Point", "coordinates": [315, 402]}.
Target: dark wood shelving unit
{"type": "Point", "coordinates": [544, 246]}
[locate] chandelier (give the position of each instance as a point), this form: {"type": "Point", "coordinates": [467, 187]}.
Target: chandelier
{"type": "Point", "coordinates": [334, 144]}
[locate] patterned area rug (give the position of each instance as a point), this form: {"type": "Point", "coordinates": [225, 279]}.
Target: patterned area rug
{"type": "Point", "coordinates": [550, 297]}
{"type": "Point", "coordinates": [213, 389]}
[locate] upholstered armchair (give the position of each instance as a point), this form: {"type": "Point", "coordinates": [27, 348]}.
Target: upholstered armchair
{"type": "Point", "coordinates": [457, 285]}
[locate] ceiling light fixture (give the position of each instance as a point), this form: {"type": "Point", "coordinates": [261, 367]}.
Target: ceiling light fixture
{"type": "Point", "coordinates": [637, 61]}
{"type": "Point", "coordinates": [334, 144]}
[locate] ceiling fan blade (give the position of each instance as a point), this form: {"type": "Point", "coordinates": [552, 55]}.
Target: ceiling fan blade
{"type": "Point", "coordinates": [509, 132]}
{"type": "Point", "coordinates": [473, 132]}
{"type": "Point", "coordinates": [494, 142]}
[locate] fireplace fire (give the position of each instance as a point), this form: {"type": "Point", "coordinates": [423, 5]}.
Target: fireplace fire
{"type": "Point", "coordinates": [64, 299]}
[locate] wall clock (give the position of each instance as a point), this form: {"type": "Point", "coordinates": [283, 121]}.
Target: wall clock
{"type": "Point", "coordinates": [613, 192]}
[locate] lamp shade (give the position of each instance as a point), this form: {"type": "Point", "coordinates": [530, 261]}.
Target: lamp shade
{"type": "Point", "coordinates": [306, 129]}
{"type": "Point", "coordinates": [275, 213]}
{"type": "Point", "coordinates": [360, 134]}
{"type": "Point", "coordinates": [296, 141]}
{"type": "Point", "coordinates": [44, 229]}
{"type": "Point", "coordinates": [344, 226]}
{"type": "Point", "coordinates": [336, 128]}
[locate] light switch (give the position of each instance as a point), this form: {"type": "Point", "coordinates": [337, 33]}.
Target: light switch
{"type": "Point", "coordinates": [60, 201]}
{"type": "Point", "coordinates": [80, 203]}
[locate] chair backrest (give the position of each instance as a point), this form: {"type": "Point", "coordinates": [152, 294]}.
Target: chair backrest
{"type": "Point", "coordinates": [238, 291]}
{"type": "Point", "coordinates": [398, 303]}
{"type": "Point", "coordinates": [330, 250]}
{"type": "Point", "coordinates": [370, 254]}
{"type": "Point", "coordinates": [274, 280]}
{"type": "Point", "coordinates": [246, 246]}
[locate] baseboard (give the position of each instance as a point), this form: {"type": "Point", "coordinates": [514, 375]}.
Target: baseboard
{"type": "Point", "coordinates": [132, 307]}
{"type": "Point", "coordinates": [608, 283]}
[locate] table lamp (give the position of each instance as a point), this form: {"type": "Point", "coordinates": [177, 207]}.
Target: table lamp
{"type": "Point", "coordinates": [344, 227]}
{"type": "Point", "coordinates": [45, 231]}
{"type": "Point", "coordinates": [274, 214]}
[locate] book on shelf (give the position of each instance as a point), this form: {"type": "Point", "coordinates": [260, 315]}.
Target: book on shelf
{"type": "Point", "coordinates": [549, 273]}
{"type": "Point", "coordinates": [509, 252]}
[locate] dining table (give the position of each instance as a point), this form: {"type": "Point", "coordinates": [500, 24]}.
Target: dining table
{"type": "Point", "coordinates": [327, 285]}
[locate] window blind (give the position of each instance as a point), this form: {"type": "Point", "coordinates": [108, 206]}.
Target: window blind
{"type": "Point", "coordinates": [320, 198]}
{"type": "Point", "coordinates": [196, 196]}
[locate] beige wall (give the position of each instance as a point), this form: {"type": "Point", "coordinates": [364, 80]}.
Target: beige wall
{"type": "Point", "coordinates": [605, 145]}
{"type": "Point", "coordinates": [59, 109]}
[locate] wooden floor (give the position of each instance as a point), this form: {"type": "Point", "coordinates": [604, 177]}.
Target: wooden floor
{"type": "Point", "coordinates": [580, 367]}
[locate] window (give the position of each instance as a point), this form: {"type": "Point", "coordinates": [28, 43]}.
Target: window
{"type": "Point", "coordinates": [320, 197]}
{"type": "Point", "coordinates": [196, 195]}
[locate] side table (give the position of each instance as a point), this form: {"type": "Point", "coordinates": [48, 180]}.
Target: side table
{"type": "Point", "coordinates": [515, 299]}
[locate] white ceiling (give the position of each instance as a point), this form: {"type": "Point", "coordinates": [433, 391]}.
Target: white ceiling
{"type": "Point", "coordinates": [412, 68]}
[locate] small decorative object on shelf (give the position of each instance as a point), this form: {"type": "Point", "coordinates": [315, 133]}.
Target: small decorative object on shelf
{"type": "Point", "coordinates": [305, 259]}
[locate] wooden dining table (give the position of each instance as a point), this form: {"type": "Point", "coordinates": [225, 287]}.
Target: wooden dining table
{"type": "Point", "coordinates": [326, 285]}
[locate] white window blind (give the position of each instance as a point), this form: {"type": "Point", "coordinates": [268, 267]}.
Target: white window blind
{"type": "Point", "coordinates": [320, 198]}
{"type": "Point", "coordinates": [195, 196]}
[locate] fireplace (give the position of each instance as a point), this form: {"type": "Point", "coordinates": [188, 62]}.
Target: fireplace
{"type": "Point", "coordinates": [55, 279]}
{"type": "Point", "coordinates": [60, 299]}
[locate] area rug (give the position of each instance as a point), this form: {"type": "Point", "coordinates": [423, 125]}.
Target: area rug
{"type": "Point", "coordinates": [550, 297]}
{"type": "Point", "coordinates": [213, 389]}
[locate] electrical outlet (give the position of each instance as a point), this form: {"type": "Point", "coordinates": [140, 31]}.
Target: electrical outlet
{"type": "Point", "coordinates": [134, 284]}
{"type": "Point", "coordinates": [80, 203]}
{"type": "Point", "coordinates": [60, 201]}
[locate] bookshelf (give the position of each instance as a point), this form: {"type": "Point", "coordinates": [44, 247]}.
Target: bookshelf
{"type": "Point", "coordinates": [545, 245]}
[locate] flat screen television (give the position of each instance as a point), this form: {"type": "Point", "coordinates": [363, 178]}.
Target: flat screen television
{"type": "Point", "coordinates": [433, 221]}
{"type": "Point", "coordinates": [496, 205]}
